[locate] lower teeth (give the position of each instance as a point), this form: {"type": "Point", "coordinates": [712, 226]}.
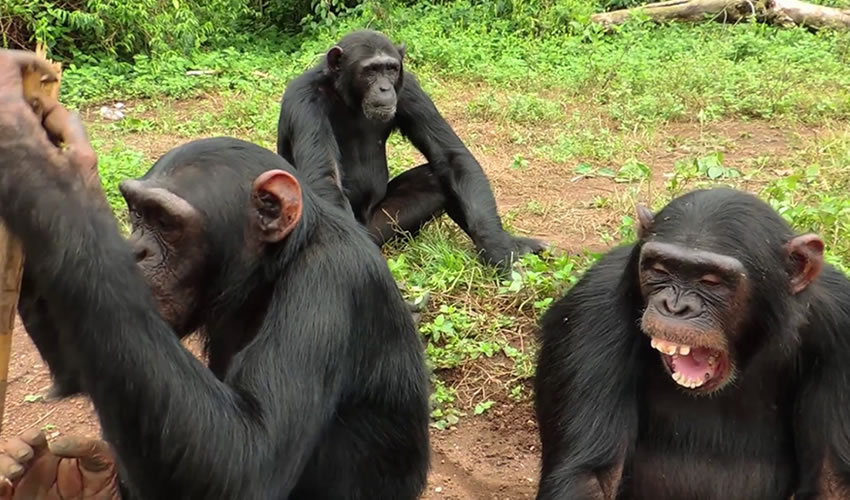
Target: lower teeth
{"type": "Point", "coordinates": [688, 382]}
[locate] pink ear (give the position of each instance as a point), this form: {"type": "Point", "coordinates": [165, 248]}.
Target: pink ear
{"type": "Point", "coordinates": [645, 221]}
{"type": "Point", "coordinates": [335, 57]}
{"type": "Point", "coordinates": [277, 199]}
{"type": "Point", "coordinates": [806, 254]}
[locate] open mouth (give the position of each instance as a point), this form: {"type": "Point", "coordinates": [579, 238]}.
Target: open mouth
{"type": "Point", "coordinates": [693, 367]}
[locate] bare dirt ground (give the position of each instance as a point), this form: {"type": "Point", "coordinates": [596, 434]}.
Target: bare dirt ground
{"type": "Point", "coordinates": [495, 455]}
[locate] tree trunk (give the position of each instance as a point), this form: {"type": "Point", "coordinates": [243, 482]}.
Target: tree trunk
{"type": "Point", "coordinates": [780, 12]}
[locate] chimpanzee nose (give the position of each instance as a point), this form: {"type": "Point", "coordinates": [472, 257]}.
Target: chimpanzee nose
{"type": "Point", "coordinates": [672, 306]}
{"type": "Point", "coordinates": [384, 88]}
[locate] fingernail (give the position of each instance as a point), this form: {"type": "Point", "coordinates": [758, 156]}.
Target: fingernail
{"type": "Point", "coordinates": [23, 454]}
{"type": "Point", "coordinates": [15, 469]}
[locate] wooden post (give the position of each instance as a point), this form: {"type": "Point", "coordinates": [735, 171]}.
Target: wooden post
{"type": "Point", "coordinates": [11, 253]}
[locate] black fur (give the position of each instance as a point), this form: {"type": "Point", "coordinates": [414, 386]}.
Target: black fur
{"type": "Point", "coordinates": [600, 388]}
{"type": "Point", "coordinates": [324, 133]}
{"type": "Point", "coordinates": [319, 390]}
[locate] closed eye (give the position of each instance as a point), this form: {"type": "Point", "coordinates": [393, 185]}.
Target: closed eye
{"type": "Point", "coordinates": [711, 280]}
{"type": "Point", "coordinates": [659, 268]}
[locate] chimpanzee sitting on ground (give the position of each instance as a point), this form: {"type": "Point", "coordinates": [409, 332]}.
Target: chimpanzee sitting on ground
{"type": "Point", "coordinates": [306, 396]}
{"type": "Point", "coordinates": [334, 123]}
{"type": "Point", "coordinates": [709, 360]}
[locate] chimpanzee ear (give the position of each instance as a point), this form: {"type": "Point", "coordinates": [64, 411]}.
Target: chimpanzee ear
{"type": "Point", "coordinates": [646, 220]}
{"type": "Point", "coordinates": [334, 57]}
{"type": "Point", "coordinates": [277, 199]}
{"type": "Point", "coordinates": [806, 255]}
{"type": "Point", "coordinates": [402, 49]}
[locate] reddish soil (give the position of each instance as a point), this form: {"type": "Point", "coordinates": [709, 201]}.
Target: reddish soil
{"type": "Point", "coordinates": [495, 455]}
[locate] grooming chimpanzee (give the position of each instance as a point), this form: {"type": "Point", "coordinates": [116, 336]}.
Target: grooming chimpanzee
{"type": "Point", "coordinates": [305, 396]}
{"type": "Point", "coordinates": [334, 123]}
{"type": "Point", "coordinates": [710, 360]}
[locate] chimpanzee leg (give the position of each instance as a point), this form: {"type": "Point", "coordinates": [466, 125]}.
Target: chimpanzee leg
{"type": "Point", "coordinates": [413, 198]}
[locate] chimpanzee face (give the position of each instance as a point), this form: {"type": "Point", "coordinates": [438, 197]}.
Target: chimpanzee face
{"type": "Point", "coordinates": [170, 249]}
{"type": "Point", "coordinates": [368, 72]}
{"type": "Point", "coordinates": [376, 79]}
{"type": "Point", "coordinates": [693, 301]}
{"type": "Point", "coordinates": [716, 270]}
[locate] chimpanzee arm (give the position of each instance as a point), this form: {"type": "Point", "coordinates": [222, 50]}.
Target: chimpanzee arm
{"type": "Point", "coordinates": [43, 327]}
{"type": "Point", "coordinates": [178, 432]}
{"type": "Point", "coordinates": [822, 417]}
{"type": "Point", "coordinates": [305, 138]}
{"type": "Point", "coordinates": [586, 384]}
{"type": "Point", "coordinates": [462, 178]}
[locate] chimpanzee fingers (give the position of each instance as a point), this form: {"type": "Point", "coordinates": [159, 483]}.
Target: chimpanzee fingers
{"type": "Point", "coordinates": [12, 64]}
{"type": "Point", "coordinates": [18, 450]}
{"type": "Point", "coordinates": [87, 469]}
{"type": "Point", "coordinates": [21, 449]}
{"type": "Point", "coordinates": [63, 126]}
{"type": "Point", "coordinates": [35, 439]}
{"type": "Point", "coordinates": [93, 454]}
{"type": "Point", "coordinates": [10, 468]}
{"type": "Point", "coordinates": [530, 245]}
{"type": "Point", "coordinates": [7, 489]}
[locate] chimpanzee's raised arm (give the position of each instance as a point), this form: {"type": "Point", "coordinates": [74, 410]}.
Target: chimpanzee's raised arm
{"type": "Point", "coordinates": [178, 431]}
{"type": "Point", "coordinates": [471, 203]}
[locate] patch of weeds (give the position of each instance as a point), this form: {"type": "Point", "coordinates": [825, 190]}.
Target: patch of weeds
{"type": "Point", "coordinates": [517, 392]}
{"type": "Point", "coordinates": [483, 406]}
{"type": "Point", "coordinates": [706, 170]}
{"type": "Point", "coordinates": [484, 106]}
{"type": "Point", "coordinates": [534, 207]}
{"type": "Point", "coordinates": [116, 164]}
{"type": "Point", "coordinates": [443, 412]}
{"type": "Point", "coordinates": [633, 171]}
{"type": "Point", "coordinates": [536, 279]}
{"type": "Point", "coordinates": [527, 108]}
{"type": "Point", "coordinates": [519, 163]}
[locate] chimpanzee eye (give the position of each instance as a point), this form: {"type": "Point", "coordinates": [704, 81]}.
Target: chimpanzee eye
{"type": "Point", "coordinates": [711, 280]}
{"type": "Point", "coordinates": [659, 268]}
{"type": "Point", "coordinates": [161, 219]}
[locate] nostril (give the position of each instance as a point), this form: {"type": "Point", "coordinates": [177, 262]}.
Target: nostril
{"type": "Point", "coordinates": [674, 307]}
{"type": "Point", "coordinates": [141, 254]}
{"type": "Point", "coordinates": [385, 88]}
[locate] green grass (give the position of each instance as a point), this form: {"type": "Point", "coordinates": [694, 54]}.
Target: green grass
{"type": "Point", "coordinates": [567, 103]}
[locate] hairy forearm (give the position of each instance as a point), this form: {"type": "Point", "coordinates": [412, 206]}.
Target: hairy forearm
{"type": "Point", "coordinates": [474, 198]}
{"type": "Point", "coordinates": [86, 270]}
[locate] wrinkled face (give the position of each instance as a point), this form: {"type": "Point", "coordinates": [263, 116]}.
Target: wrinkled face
{"type": "Point", "coordinates": [377, 78]}
{"type": "Point", "coordinates": [695, 303]}
{"type": "Point", "coordinates": [170, 249]}
{"type": "Point", "coordinates": [174, 248]}
{"type": "Point", "coordinates": [369, 75]}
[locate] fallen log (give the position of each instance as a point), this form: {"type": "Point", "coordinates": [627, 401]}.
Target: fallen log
{"type": "Point", "coordinates": [779, 12]}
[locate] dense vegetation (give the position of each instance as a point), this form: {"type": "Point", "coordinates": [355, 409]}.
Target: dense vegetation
{"type": "Point", "coordinates": [542, 97]}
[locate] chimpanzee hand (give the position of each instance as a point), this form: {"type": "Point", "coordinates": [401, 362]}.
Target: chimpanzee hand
{"type": "Point", "coordinates": [503, 256]}
{"type": "Point", "coordinates": [70, 467]}
{"type": "Point", "coordinates": [22, 132]}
